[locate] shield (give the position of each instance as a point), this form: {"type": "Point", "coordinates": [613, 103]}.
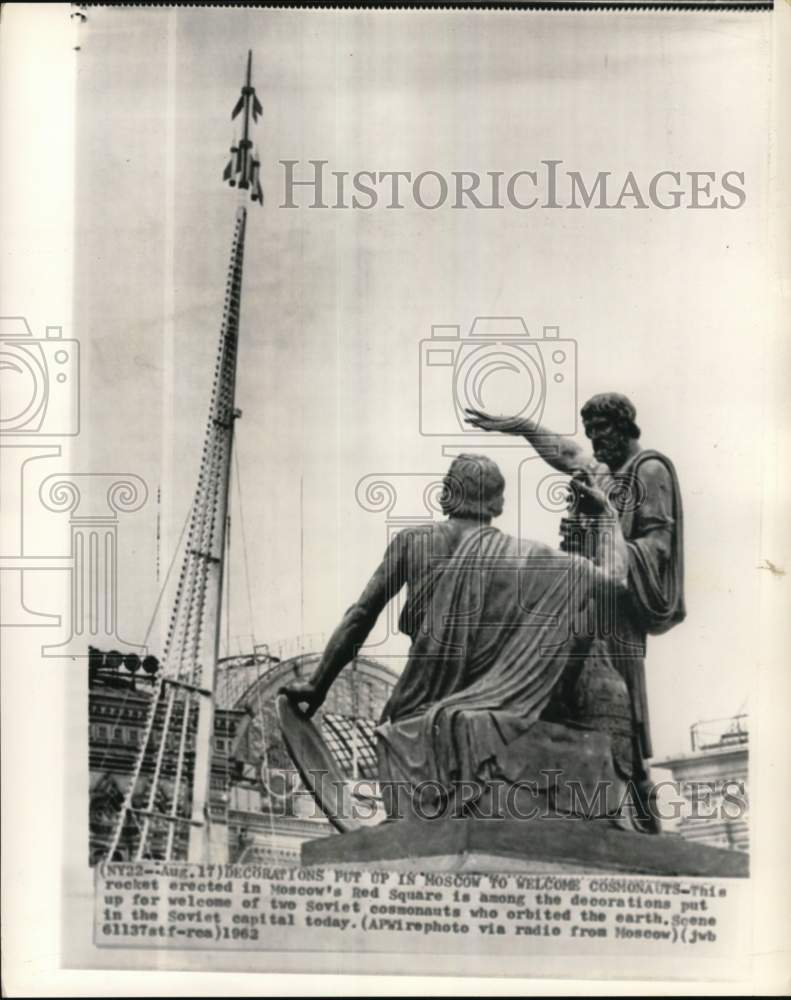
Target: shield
{"type": "Point", "coordinates": [348, 804]}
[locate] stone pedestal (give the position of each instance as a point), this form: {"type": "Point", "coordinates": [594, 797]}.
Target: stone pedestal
{"type": "Point", "coordinates": [531, 846]}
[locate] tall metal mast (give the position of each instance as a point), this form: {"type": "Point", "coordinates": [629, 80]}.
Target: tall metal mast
{"type": "Point", "coordinates": [166, 808]}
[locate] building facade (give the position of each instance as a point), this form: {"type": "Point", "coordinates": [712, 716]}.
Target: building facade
{"type": "Point", "coordinates": [259, 808]}
{"type": "Point", "coordinates": [712, 779]}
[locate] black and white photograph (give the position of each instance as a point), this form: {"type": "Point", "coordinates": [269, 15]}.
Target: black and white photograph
{"type": "Point", "coordinates": [394, 565]}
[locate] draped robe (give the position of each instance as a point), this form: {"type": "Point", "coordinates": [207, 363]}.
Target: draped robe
{"type": "Point", "coordinates": [492, 623]}
{"type": "Point", "coordinates": [653, 601]}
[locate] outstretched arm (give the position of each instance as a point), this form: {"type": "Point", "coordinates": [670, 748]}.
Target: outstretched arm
{"type": "Point", "coordinates": [353, 630]}
{"type": "Point", "coordinates": [559, 451]}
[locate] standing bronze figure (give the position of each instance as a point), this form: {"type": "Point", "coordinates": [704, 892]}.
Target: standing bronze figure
{"type": "Point", "coordinates": [643, 487]}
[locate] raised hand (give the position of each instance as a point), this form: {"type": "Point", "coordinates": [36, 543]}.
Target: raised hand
{"type": "Point", "coordinates": [592, 500]}
{"type": "Point", "coordinates": [486, 422]}
{"type": "Point", "coordinates": [572, 532]}
{"type": "Point", "coordinates": [304, 692]}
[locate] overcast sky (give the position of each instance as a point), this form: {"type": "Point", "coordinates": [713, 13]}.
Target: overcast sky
{"type": "Point", "coordinates": [667, 307]}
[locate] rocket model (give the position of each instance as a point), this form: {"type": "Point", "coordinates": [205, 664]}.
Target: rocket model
{"type": "Point", "coordinates": [243, 169]}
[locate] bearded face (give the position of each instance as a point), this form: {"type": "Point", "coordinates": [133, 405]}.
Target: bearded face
{"type": "Point", "coordinates": [610, 442]}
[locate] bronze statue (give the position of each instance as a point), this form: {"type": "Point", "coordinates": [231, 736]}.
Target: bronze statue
{"type": "Point", "coordinates": [495, 623]}
{"type": "Point", "coordinates": [643, 487]}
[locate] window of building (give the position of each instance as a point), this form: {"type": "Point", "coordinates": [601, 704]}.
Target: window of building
{"type": "Point", "coordinates": [351, 741]}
